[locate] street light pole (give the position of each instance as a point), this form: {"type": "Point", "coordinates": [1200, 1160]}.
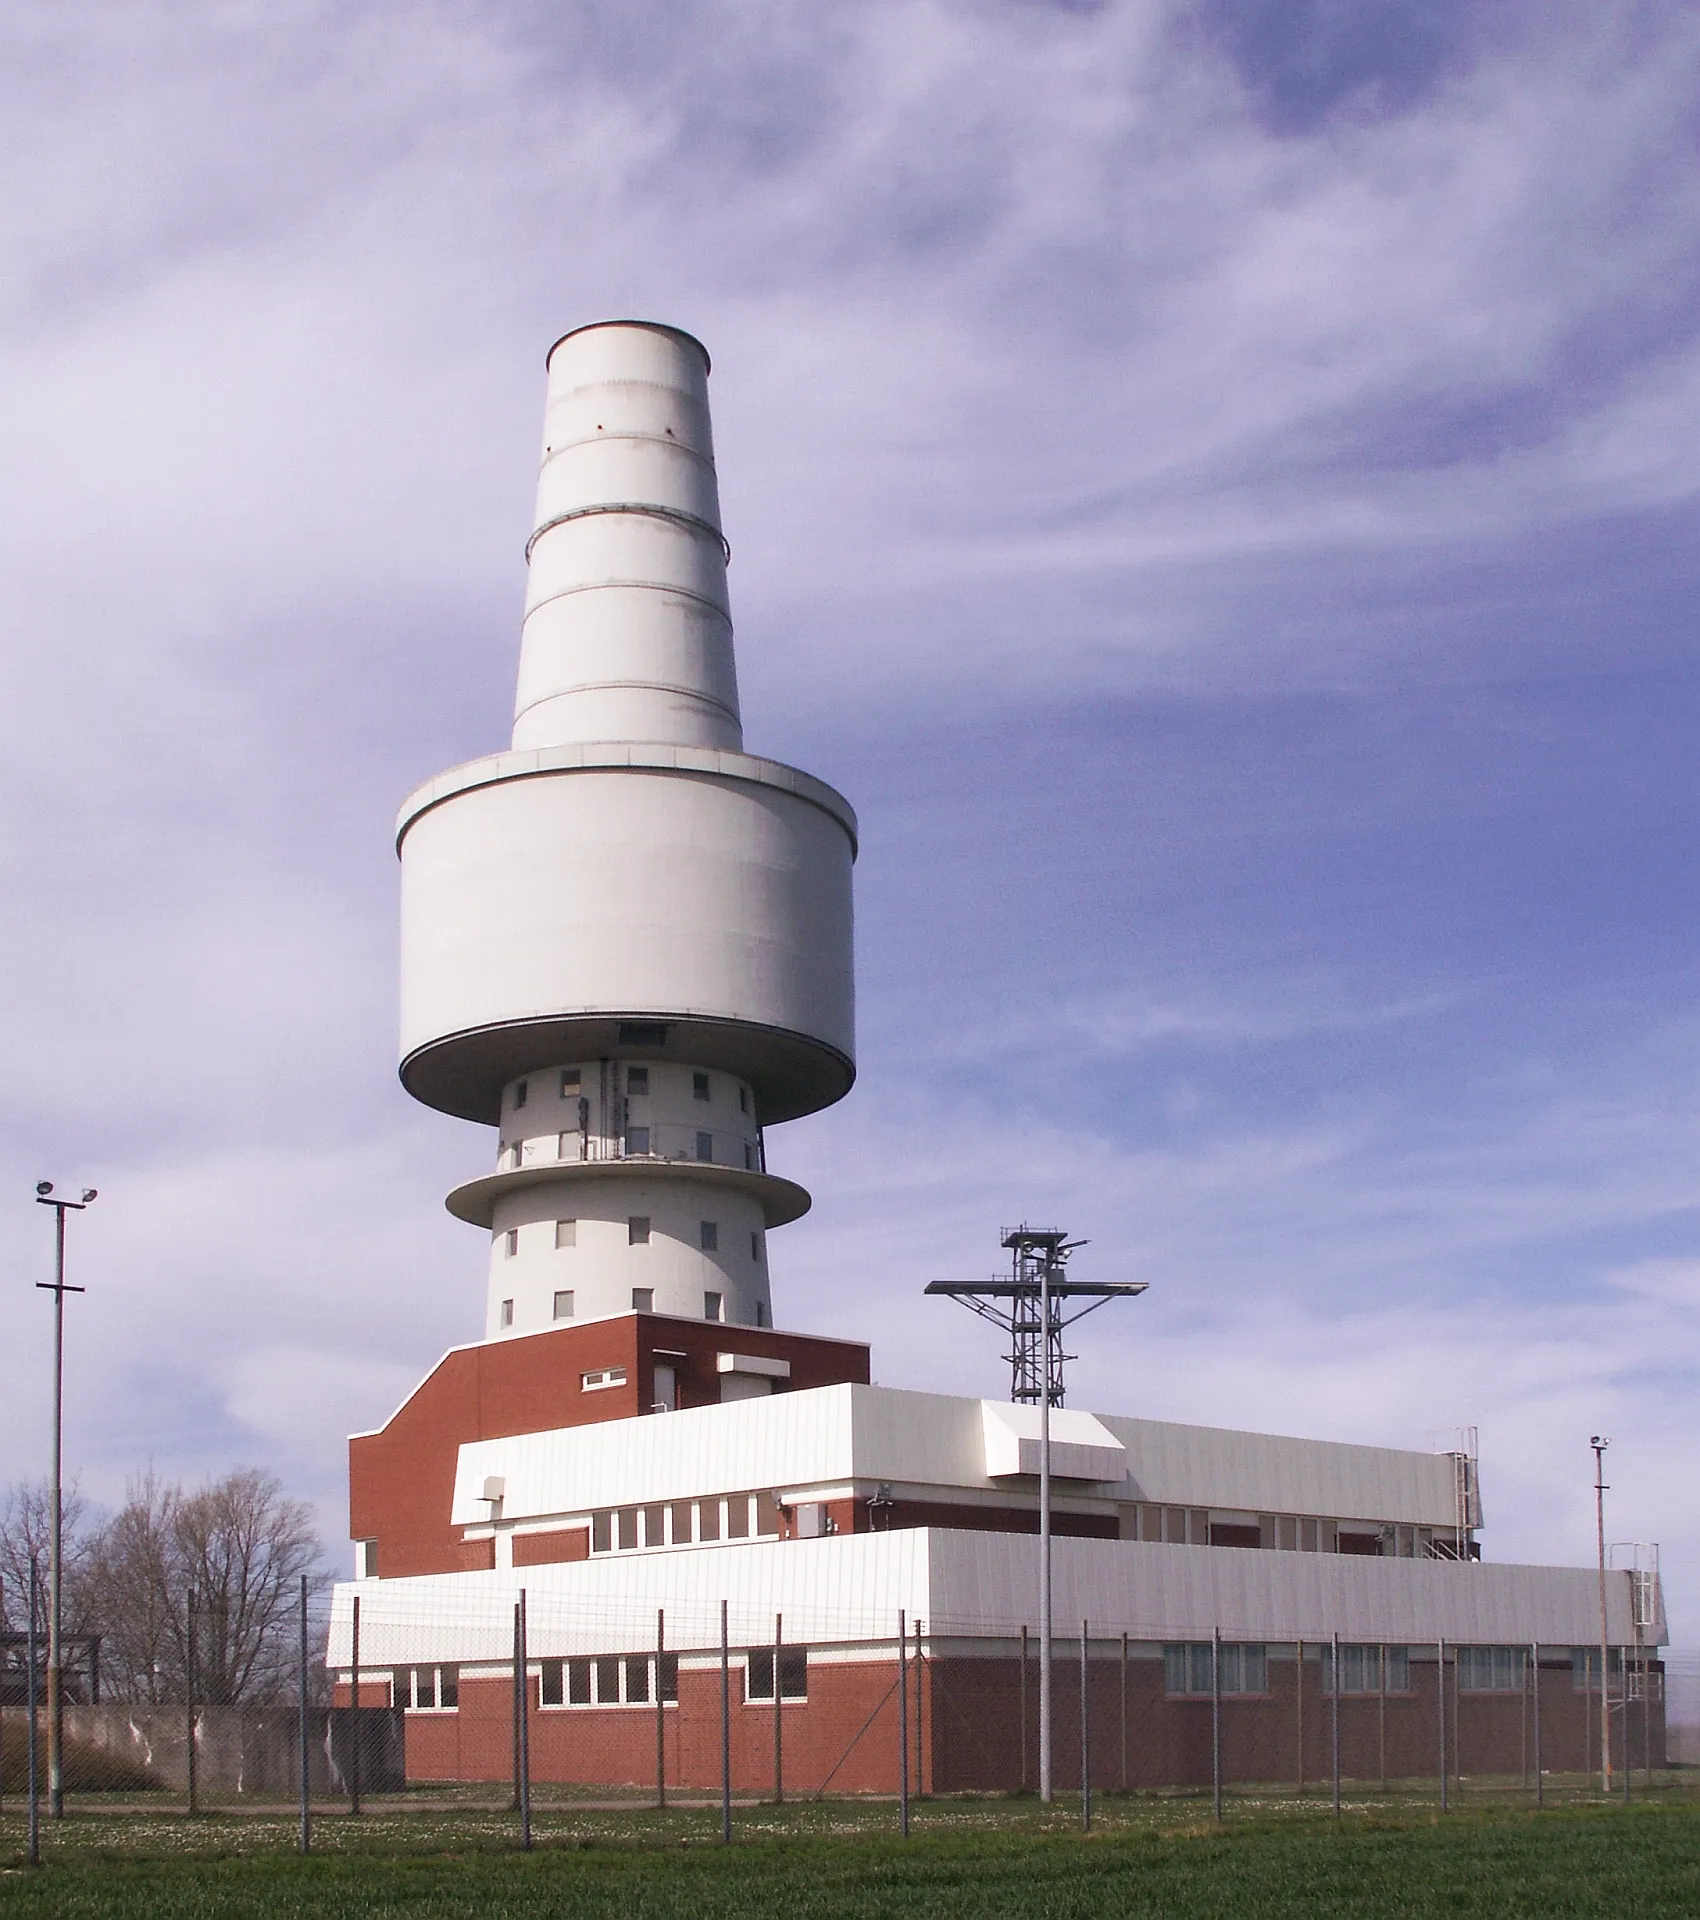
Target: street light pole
{"type": "Point", "coordinates": [55, 1515]}
{"type": "Point", "coordinates": [1599, 1444]}
{"type": "Point", "coordinates": [1045, 1536]}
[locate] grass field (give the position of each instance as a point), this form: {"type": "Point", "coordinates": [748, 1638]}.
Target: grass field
{"type": "Point", "coordinates": [1162, 1858]}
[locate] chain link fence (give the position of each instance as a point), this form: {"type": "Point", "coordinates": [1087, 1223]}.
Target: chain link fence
{"type": "Point", "coordinates": [523, 1704]}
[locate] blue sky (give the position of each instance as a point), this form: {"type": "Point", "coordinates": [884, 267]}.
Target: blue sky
{"type": "Point", "coordinates": [1216, 485]}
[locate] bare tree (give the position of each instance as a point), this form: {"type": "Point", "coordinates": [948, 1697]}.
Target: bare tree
{"type": "Point", "coordinates": [241, 1548]}
{"type": "Point", "coordinates": [25, 1525]}
{"type": "Point", "coordinates": [238, 1546]}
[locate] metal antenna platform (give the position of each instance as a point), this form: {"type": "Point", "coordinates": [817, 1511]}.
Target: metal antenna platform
{"type": "Point", "coordinates": [1032, 1307]}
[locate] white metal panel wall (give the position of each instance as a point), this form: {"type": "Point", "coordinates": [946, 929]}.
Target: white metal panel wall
{"type": "Point", "coordinates": [1179, 1465]}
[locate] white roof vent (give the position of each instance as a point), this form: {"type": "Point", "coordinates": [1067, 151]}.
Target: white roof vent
{"type": "Point", "coordinates": [1082, 1447]}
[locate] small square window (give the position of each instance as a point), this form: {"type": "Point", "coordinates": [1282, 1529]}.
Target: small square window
{"type": "Point", "coordinates": [637, 1080]}
{"type": "Point", "coordinates": [566, 1233]}
{"type": "Point", "coordinates": [569, 1081]}
{"type": "Point", "coordinates": [643, 1299]}
{"type": "Point", "coordinates": [564, 1304]}
{"type": "Point", "coordinates": [507, 1313]}
{"type": "Point", "coordinates": [637, 1230]}
{"type": "Point", "coordinates": [699, 1086]}
{"type": "Point", "coordinates": [712, 1304]}
{"type": "Point", "coordinates": [710, 1236]}
{"type": "Point", "coordinates": [637, 1139]}
{"type": "Point", "coordinates": [705, 1146]}
{"type": "Point", "coordinates": [520, 1092]}
{"type": "Point", "coordinates": [511, 1241]}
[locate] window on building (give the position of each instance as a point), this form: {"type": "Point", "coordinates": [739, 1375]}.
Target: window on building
{"type": "Point", "coordinates": [428, 1689]}
{"type": "Point", "coordinates": [738, 1517]}
{"type": "Point", "coordinates": [1585, 1668]}
{"type": "Point", "coordinates": [743, 1099]}
{"type": "Point", "coordinates": [705, 1146]}
{"type": "Point", "coordinates": [643, 1299]}
{"type": "Point", "coordinates": [767, 1516]}
{"type": "Point", "coordinates": [566, 1233]}
{"type": "Point", "coordinates": [1494, 1669]}
{"type": "Point", "coordinates": [520, 1091]}
{"type": "Point", "coordinates": [683, 1513]}
{"type": "Point", "coordinates": [710, 1230]}
{"type": "Point", "coordinates": [506, 1316]}
{"type": "Point", "coordinates": [749, 1158]}
{"type": "Point", "coordinates": [761, 1313]}
{"type": "Point", "coordinates": [699, 1086]}
{"type": "Point", "coordinates": [601, 1378]}
{"type": "Point", "coordinates": [637, 1080]}
{"type": "Point", "coordinates": [1368, 1669]}
{"type": "Point", "coordinates": [569, 1081]}
{"type": "Point", "coordinates": [601, 1533]}
{"type": "Point", "coordinates": [626, 1529]}
{"type": "Point", "coordinates": [637, 1139]}
{"type": "Point", "coordinates": [712, 1305]}
{"type": "Point", "coordinates": [793, 1673]}
{"type": "Point", "coordinates": [642, 1033]}
{"type": "Point", "coordinates": [655, 1526]}
{"type": "Point", "coordinates": [637, 1230]}
{"type": "Point", "coordinates": [1186, 1668]}
{"type": "Point", "coordinates": [510, 1241]}
{"type": "Point", "coordinates": [609, 1680]}
{"type": "Point", "coordinates": [563, 1303]}
{"type": "Point", "coordinates": [755, 1246]}
{"type": "Point", "coordinates": [708, 1519]}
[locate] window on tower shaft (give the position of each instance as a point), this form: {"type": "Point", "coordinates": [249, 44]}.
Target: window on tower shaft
{"type": "Point", "coordinates": [699, 1086]}
{"type": "Point", "coordinates": [705, 1146]}
{"type": "Point", "coordinates": [637, 1230]}
{"type": "Point", "coordinates": [710, 1236]}
{"type": "Point", "coordinates": [712, 1304]}
{"type": "Point", "coordinates": [507, 1314]}
{"type": "Point", "coordinates": [510, 1242]}
{"type": "Point", "coordinates": [637, 1080]}
{"type": "Point", "coordinates": [519, 1094]}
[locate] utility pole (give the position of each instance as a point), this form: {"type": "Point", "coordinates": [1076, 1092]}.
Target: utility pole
{"type": "Point", "coordinates": [1599, 1443]}
{"type": "Point", "coordinates": [1031, 1307]}
{"type": "Point", "coordinates": [56, 1501]}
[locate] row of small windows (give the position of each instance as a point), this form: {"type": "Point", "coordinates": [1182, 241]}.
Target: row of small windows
{"type": "Point", "coordinates": [610, 1680]}
{"type": "Point", "coordinates": [1287, 1533]}
{"type": "Point", "coordinates": [685, 1523]}
{"type": "Point", "coordinates": [1368, 1669]}
{"type": "Point", "coordinates": [643, 1301]}
{"type": "Point", "coordinates": [637, 1081]}
{"type": "Point", "coordinates": [638, 1227]}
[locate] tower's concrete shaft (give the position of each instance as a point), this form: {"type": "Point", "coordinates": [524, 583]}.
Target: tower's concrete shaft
{"type": "Point", "coordinates": [625, 942]}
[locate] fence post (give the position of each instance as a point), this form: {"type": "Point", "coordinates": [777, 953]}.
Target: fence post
{"type": "Point", "coordinates": [1299, 1698]}
{"type": "Point", "coordinates": [522, 1725]}
{"type": "Point", "coordinates": [1535, 1716]}
{"type": "Point", "coordinates": [778, 1713]}
{"type": "Point", "coordinates": [1085, 1743]}
{"type": "Point", "coordinates": [920, 1717]}
{"type": "Point", "coordinates": [1124, 1713]}
{"type": "Point", "coordinates": [301, 1712]}
{"type": "Point", "coordinates": [1216, 1722]}
{"type": "Point", "coordinates": [725, 1728]}
{"type": "Point", "coordinates": [354, 1714]}
{"type": "Point", "coordinates": [660, 1709]}
{"type": "Point", "coordinates": [189, 1705]}
{"type": "Point", "coordinates": [903, 1723]}
{"type": "Point", "coordinates": [1440, 1713]}
{"type": "Point", "coordinates": [1023, 1709]}
{"type": "Point", "coordinates": [33, 1653]}
{"type": "Point", "coordinates": [1334, 1721]}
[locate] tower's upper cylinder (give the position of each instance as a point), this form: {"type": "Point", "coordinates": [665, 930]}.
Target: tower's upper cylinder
{"type": "Point", "coordinates": [625, 882]}
{"type": "Point", "coordinates": [627, 631]}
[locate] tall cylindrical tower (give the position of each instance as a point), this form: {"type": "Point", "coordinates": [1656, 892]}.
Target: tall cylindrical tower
{"type": "Point", "coordinates": [625, 942]}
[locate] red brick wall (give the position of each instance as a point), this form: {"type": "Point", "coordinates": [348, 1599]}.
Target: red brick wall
{"type": "Point", "coordinates": [401, 1479]}
{"type": "Point", "coordinates": [550, 1549]}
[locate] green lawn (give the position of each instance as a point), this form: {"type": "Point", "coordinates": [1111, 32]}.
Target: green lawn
{"type": "Point", "coordinates": [1162, 1861]}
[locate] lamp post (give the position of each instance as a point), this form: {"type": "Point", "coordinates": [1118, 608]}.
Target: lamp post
{"type": "Point", "coordinates": [55, 1518]}
{"type": "Point", "coordinates": [1599, 1443]}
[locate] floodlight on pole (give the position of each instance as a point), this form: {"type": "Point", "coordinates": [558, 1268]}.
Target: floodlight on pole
{"type": "Point", "coordinates": [55, 1520]}
{"type": "Point", "coordinates": [1031, 1307]}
